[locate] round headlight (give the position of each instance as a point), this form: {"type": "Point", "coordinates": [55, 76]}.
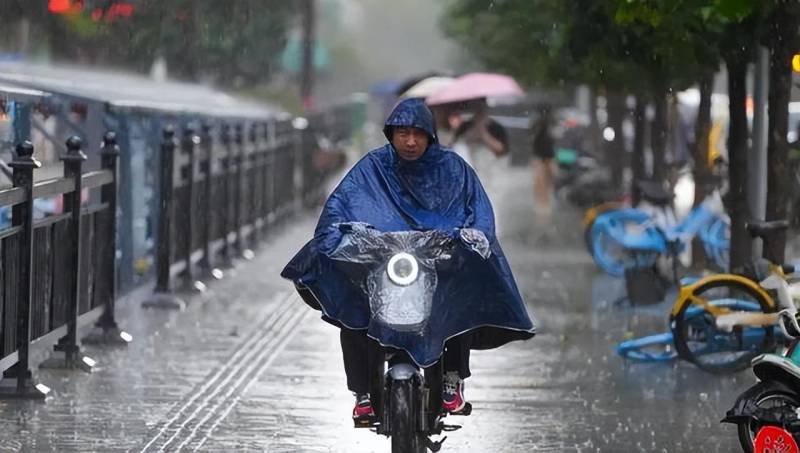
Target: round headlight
{"type": "Point", "coordinates": [402, 269]}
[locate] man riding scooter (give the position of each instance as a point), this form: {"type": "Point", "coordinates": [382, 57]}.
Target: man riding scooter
{"type": "Point", "coordinates": [414, 184]}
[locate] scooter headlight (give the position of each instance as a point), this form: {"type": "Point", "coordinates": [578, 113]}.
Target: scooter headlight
{"type": "Point", "coordinates": [403, 269]}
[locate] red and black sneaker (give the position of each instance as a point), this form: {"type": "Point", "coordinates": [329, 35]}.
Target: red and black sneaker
{"type": "Point", "coordinates": [363, 415]}
{"type": "Point", "coordinates": [453, 392]}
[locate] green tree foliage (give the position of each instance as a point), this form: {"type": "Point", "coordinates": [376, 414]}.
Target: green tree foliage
{"type": "Point", "coordinates": [525, 38]}
{"type": "Point", "coordinates": [599, 42]}
{"type": "Point", "coordinates": [648, 48]}
{"type": "Point", "coordinates": [232, 42]}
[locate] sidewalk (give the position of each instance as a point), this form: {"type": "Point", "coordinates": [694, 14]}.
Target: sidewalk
{"type": "Point", "coordinates": [246, 367]}
{"type": "Point", "coordinates": [200, 358]}
{"type": "Point", "coordinates": [249, 367]}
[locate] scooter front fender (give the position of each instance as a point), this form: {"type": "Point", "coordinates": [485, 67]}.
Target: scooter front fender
{"type": "Point", "coordinates": [745, 407]}
{"type": "Point", "coordinates": [402, 372]}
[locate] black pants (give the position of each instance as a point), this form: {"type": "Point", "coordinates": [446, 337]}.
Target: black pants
{"type": "Point", "coordinates": [355, 350]}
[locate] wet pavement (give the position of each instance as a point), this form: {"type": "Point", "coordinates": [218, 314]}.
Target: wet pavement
{"type": "Point", "coordinates": [248, 367]}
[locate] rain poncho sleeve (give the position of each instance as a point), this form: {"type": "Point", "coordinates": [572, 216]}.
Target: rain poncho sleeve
{"type": "Point", "coordinates": [437, 194]}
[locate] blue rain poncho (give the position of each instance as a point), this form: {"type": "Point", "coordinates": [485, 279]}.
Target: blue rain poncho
{"type": "Point", "coordinates": [363, 223]}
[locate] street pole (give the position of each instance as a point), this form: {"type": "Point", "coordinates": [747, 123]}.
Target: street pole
{"type": "Point", "coordinates": [307, 70]}
{"type": "Point", "coordinates": [757, 179]}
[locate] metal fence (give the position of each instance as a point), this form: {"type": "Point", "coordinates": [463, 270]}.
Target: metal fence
{"type": "Point", "coordinates": [222, 185]}
{"type": "Point", "coordinates": [57, 269]}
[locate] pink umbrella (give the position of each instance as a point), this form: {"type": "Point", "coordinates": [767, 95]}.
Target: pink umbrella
{"type": "Point", "coordinates": [476, 85]}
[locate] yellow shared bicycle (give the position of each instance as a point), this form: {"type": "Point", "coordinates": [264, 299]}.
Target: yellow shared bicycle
{"type": "Point", "coordinates": [722, 321]}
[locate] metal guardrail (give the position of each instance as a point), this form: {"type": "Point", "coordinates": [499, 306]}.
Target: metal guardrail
{"type": "Point", "coordinates": [59, 269]}
{"type": "Point", "coordinates": [222, 186]}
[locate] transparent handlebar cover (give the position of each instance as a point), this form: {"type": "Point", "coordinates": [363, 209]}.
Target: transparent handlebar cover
{"type": "Point", "coordinates": [364, 254]}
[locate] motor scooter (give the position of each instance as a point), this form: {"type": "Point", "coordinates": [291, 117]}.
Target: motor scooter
{"type": "Point", "coordinates": [767, 414]}
{"type": "Point", "coordinates": [402, 271]}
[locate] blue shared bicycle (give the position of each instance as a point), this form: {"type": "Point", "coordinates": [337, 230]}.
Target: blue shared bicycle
{"type": "Point", "coordinates": [639, 237]}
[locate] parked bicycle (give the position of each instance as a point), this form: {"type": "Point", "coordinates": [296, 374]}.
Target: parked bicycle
{"type": "Point", "coordinates": [639, 237]}
{"type": "Point", "coordinates": [722, 321]}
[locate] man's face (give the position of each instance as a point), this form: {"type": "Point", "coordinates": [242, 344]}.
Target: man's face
{"type": "Point", "coordinates": [409, 142]}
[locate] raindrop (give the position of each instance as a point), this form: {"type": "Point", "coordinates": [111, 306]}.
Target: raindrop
{"type": "Point", "coordinates": [704, 397]}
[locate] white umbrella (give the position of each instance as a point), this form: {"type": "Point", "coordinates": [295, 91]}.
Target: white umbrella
{"type": "Point", "coordinates": [427, 87]}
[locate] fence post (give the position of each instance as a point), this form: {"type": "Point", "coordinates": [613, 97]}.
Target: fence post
{"type": "Point", "coordinates": [269, 163]}
{"type": "Point", "coordinates": [300, 125]}
{"type": "Point", "coordinates": [67, 353]}
{"type": "Point", "coordinates": [207, 169]}
{"type": "Point", "coordinates": [17, 380]}
{"type": "Point", "coordinates": [256, 200]}
{"type": "Point", "coordinates": [163, 296]}
{"type": "Point", "coordinates": [105, 330]}
{"type": "Point", "coordinates": [238, 196]}
{"type": "Point", "coordinates": [189, 143]}
{"type": "Point", "coordinates": [225, 208]}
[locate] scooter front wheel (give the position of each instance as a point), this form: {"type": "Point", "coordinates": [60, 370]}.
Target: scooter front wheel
{"type": "Point", "coordinates": [403, 406]}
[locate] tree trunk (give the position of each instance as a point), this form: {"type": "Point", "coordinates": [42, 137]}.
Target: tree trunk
{"type": "Point", "coordinates": [637, 160]}
{"type": "Point", "coordinates": [307, 71]}
{"type": "Point", "coordinates": [784, 26]}
{"type": "Point", "coordinates": [658, 138]}
{"type": "Point", "coordinates": [741, 252]}
{"type": "Point", "coordinates": [615, 149]}
{"type": "Point", "coordinates": [594, 125]}
{"type": "Point", "coordinates": [702, 173]}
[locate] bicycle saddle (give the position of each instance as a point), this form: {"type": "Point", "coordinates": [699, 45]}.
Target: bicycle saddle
{"type": "Point", "coordinates": [654, 193]}
{"type": "Point", "coordinates": [761, 229]}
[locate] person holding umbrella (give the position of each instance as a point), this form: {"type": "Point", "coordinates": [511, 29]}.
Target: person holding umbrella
{"type": "Point", "coordinates": [470, 138]}
{"type": "Point", "coordinates": [478, 134]}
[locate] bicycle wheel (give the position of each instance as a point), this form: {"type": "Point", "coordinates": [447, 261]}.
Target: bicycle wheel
{"type": "Point", "coordinates": [700, 341]}
{"type": "Point", "coordinates": [652, 348]}
{"type": "Point", "coordinates": [611, 255]}
{"type": "Point", "coordinates": [591, 215]}
{"type": "Point", "coordinates": [716, 242]}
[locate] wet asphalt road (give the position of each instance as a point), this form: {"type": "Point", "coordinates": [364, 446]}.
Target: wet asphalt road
{"type": "Point", "coordinates": [248, 367]}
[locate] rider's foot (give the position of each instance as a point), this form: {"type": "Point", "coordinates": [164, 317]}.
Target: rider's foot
{"type": "Point", "coordinates": [453, 392]}
{"type": "Point", "coordinates": [362, 412]}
